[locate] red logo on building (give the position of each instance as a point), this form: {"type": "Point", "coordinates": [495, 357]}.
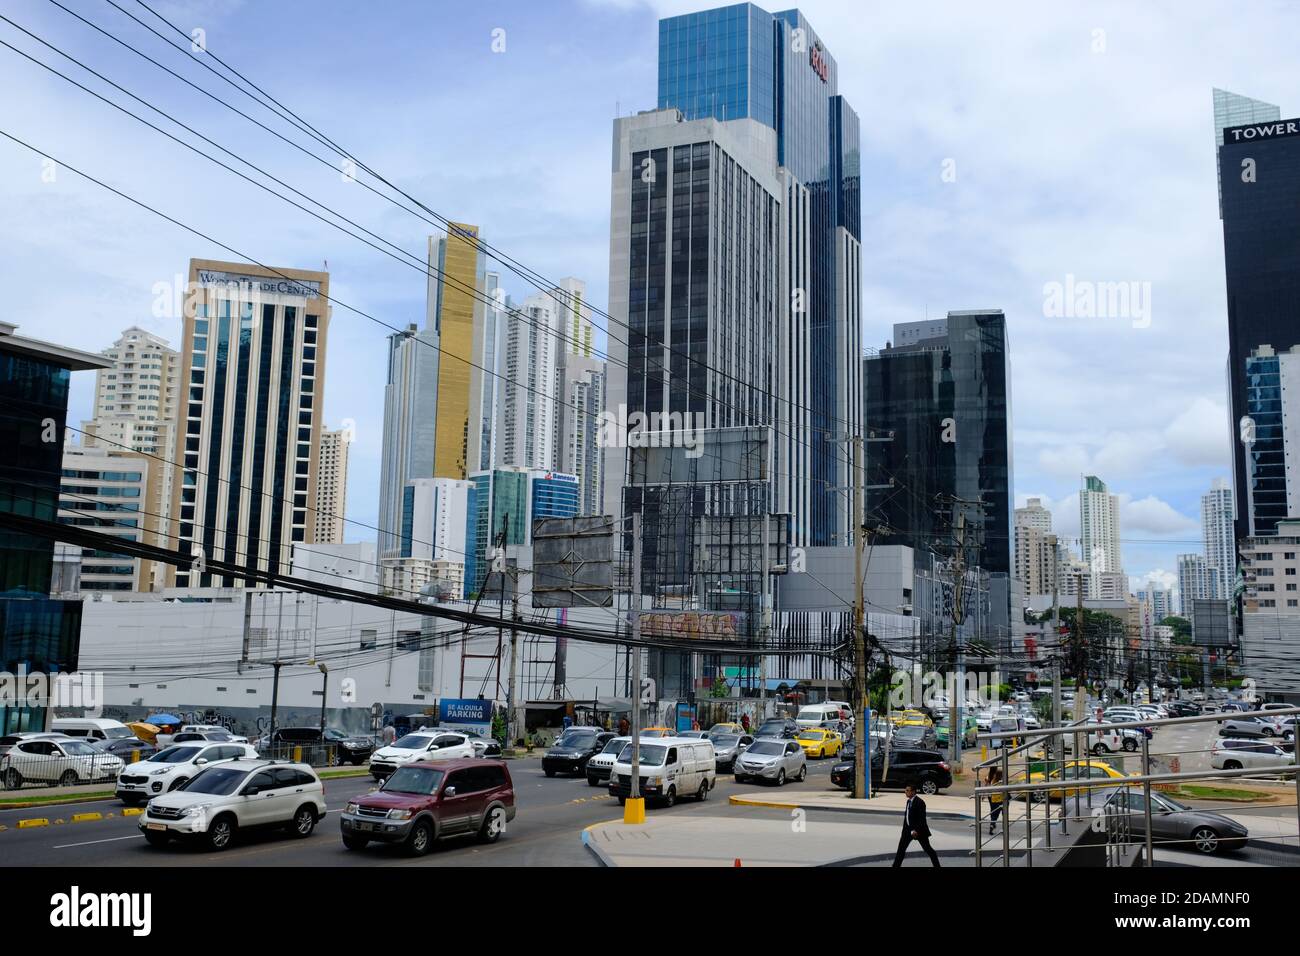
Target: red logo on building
{"type": "Point", "coordinates": [819, 62]}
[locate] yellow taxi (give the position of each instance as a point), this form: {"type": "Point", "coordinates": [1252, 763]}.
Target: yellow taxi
{"type": "Point", "coordinates": [657, 732]}
{"type": "Point", "coordinates": [819, 742]}
{"type": "Point", "coordinates": [910, 718]}
{"type": "Point", "coordinates": [1086, 769]}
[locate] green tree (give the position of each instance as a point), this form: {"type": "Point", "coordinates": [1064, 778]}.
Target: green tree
{"type": "Point", "coordinates": [1182, 629]}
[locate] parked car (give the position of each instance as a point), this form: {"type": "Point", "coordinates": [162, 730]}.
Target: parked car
{"type": "Point", "coordinates": [91, 728]}
{"type": "Point", "coordinates": [984, 720]}
{"type": "Point", "coordinates": [1248, 725]}
{"type": "Point", "coordinates": [727, 747]}
{"type": "Point", "coordinates": [916, 736]}
{"type": "Point", "coordinates": [970, 730]}
{"type": "Point", "coordinates": [669, 767]}
{"type": "Point", "coordinates": [222, 800]}
{"type": "Point", "coordinates": [601, 765]}
{"type": "Point", "coordinates": [130, 750]}
{"type": "Point", "coordinates": [170, 768]}
{"type": "Point", "coordinates": [65, 761]}
{"type": "Point", "coordinates": [202, 736]}
{"type": "Point", "coordinates": [1227, 754]}
{"type": "Point", "coordinates": [656, 732]}
{"type": "Point", "coordinates": [1179, 825]}
{"type": "Point", "coordinates": [773, 759]}
{"type": "Point", "coordinates": [1074, 769]}
{"type": "Point", "coordinates": [426, 801]}
{"type": "Point", "coordinates": [817, 715]}
{"type": "Point", "coordinates": [7, 741]}
{"type": "Point", "coordinates": [417, 746]}
{"type": "Point", "coordinates": [817, 742]}
{"type": "Point", "coordinates": [1184, 708]}
{"type": "Point", "coordinates": [782, 727]}
{"type": "Point", "coordinates": [348, 748]}
{"type": "Point", "coordinates": [572, 751]}
{"type": "Point", "coordinates": [924, 769]}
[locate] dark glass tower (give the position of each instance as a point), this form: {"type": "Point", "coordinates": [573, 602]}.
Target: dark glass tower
{"type": "Point", "coordinates": [945, 395]}
{"type": "Point", "coordinates": [743, 62]}
{"type": "Point", "coordinates": [1259, 168]}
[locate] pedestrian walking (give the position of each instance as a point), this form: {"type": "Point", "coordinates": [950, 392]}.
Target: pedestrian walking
{"type": "Point", "coordinates": [914, 828]}
{"type": "Point", "coordinates": [389, 734]}
{"type": "Point", "coordinates": [744, 722]}
{"type": "Point", "coordinates": [623, 727]}
{"type": "Point", "coordinates": [997, 801]}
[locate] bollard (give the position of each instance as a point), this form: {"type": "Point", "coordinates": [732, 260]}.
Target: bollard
{"type": "Point", "coordinates": [135, 756]}
{"type": "Point", "coordinates": [297, 754]}
{"type": "Point", "coordinates": [634, 810]}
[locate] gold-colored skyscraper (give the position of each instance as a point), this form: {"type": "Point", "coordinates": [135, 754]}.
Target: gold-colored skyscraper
{"type": "Point", "coordinates": [455, 290]}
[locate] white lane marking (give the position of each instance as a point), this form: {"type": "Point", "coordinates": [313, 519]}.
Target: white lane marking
{"type": "Point", "coordinates": [134, 836]}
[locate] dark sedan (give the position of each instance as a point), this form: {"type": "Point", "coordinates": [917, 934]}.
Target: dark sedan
{"type": "Point", "coordinates": [572, 751]}
{"type": "Point", "coordinates": [914, 735]}
{"type": "Point", "coordinates": [126, 748]}
{"type": "Point", "coordinates": [1179, 827]}
{"type": "Point", "coordinates": [782, 727]}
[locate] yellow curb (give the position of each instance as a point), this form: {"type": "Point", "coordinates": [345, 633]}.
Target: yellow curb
{"type": "Point", "coordinates": [738, 801]}
{"type": "Point", "coordinates": [57, 822]}
{"type": "Point", "coordinates": [33, 822]}
{"type": "Point", "coordinates": [83, 817]}
{"type": "Point", "coordinates": [132, 811]}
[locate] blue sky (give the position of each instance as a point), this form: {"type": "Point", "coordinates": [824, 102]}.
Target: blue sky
{"type": "Point", "coordinates": [1081, 138]}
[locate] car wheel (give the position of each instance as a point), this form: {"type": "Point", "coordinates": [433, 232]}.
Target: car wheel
{"type": "Point", "coordinates": [1205, 840]}
{"type": "Point", "coordinates": [1130, 745]}
{"type": "Point", "coordinates": [154, 838]}
{"type": "Point", "coordinates": [929, 786]}
{"type": "Point", "coordinates": [740, 778]}
{"type": "Point", "coordinates": [780, 777]}
{"type": "Point", "coordinates": [494, 824]}
{"type": "Point", "coordinates": [177, 784]}
{"type": "Point", "coordinates": [68, 778]}
{"type": "Point", "coordinates": [549, 773]}
{"type": "Point", "coordinates": [622, 801]}
{"type": "Point", "coordinates": [703, 793]}
{"type": "Point", "coordinates": [221, 832]}
{"type": "Point", "coordinates": [131, 801]}
{"type": "Point", "coordinates": [1039, 796]}
{"type": "Point", "coordinates": [593, 782]}
{"type": "Point", "coordinates": [304, 821]}
{"type": "Point", "coordinates": [13, 780]}
{"type": "Point", "coordinates": [803, 773]}
{"type": "Point", "coordinates": [355, 842]}
{"type": "Point", "coordinates": [1232, 765]}
{"type": "Point", "coordinates": [421, 838]}
{"type": "Point", "coordinates": [670, 798]}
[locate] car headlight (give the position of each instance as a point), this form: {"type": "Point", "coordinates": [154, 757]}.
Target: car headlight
{"type": "Point", "coordinates": [195, 811]}
{"type": "Point", "coordinates": [399, 814]}
{"type": "Point", "coordinates": [351, 808]}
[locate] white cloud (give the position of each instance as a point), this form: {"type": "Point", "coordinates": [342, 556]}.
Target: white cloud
{"type": "Point", "coordinates": [1200, 435]}
{"type": "Point", "coordinates": [1153, 516]}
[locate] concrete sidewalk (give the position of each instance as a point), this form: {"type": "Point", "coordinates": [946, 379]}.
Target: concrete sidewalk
{"type": "Point", "coordinates": [886, 802]}
{"type": "Point", "coordinates": [681, 840]}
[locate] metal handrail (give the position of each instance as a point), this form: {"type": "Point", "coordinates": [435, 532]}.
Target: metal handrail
{"type": "Point", "coordinates": [1217, 717]}
{"type": "Point", "coordinates": [1051, 732]}
{"type": "Point", "coordinates": [1093, 783]}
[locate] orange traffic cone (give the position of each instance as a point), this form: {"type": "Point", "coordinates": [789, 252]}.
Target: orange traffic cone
{"type": "Point", "coordinates": [737, 863]}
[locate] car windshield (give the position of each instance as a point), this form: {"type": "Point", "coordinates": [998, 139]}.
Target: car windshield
{"type": "Point", "coordinates": [811, 735]}
{"type": "Point", "coordinates": [118, 733]}
{"type": "Point", "coordinates": [615, 745]}
{"type": "Point", "coordinates": [724, 741]}
{"type": "Point", "coordinates": [418, 780]}
{"type": "Point", "coordinates": [767, 748]}
{"type": "Point", "coordinates": [333, 734]}
{"type": "Point", "coordinates": [413, 742]}
{"type": "Point", "coordinates": [652, 755]}
{"type": "Point", "coordinates": [772, 725]}
{"type": "Point", "coordinates": [578, 741]}
{"type": "Point", "coordinates": [221, 781]}
{"type": "Point", "coordinates": [175, 755]}
{"type": "Point", "coordinates": [812, 713]}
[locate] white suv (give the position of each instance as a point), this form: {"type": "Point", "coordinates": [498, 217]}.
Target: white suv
{"type": "Point", "coordinates": [224, 799]}
{"type": "Point", "coordinates": [421, 745]}
{"type": "Point", "coordinates": [170, 768]}
{"type": "Point", "coordinates": [61, 760]}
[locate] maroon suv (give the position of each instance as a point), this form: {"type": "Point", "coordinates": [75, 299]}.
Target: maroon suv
{"type": "Point", "coordinates": [427, 801]}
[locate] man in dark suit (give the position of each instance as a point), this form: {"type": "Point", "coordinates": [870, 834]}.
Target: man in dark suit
{"type": "Point", "coordinates": [914, 828]}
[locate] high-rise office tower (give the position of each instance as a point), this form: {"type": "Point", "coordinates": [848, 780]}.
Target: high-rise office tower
{"type": "Point", "coordinates": [1196, 581]}
{"type": "Point", "coordinates": [1036, 555]}
{"type": "Point", "coordinates": [734, 259]}
{"type": "Point", "coordinates": [1034, 515]}
{"type": "Point", "coordinates": [1099, 526]}
{"type": "Point", "coordinates": [486, 382]}
{"type": "Point", "coordinates": [1216, 530]}
{"type": "Point", "coordinates": [582, 386]}
{"type": "Point", "coordinates": [1160, 601]}
{"type": "Point", "coordinates": [456, 303]}
{"type": "Point", "coordinates": [946, 397]}
{"type": "Point", "coordinates": [410, 412]}
{"type": "Point", "coordinates": [1273, 451]}
{"type": "Point", "coordinates": [332, 486]}
{"type": "Point", "coordinates": [528, 404]}
{"type": "Point", "coordinates": [1259, 180]}
{"type": "Point", "coordinates": [249, 422]}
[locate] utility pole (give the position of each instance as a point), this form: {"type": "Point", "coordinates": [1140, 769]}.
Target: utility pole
{"type": "Point", "coordinates": [861, 741]}
{"type": "Point", "coordinates": [1056, 633]}
{"type": "Point", "coordinates": [1076, 641]}
{"type": "Point", "coordinates": [634, 811]}
{"type": "Point", "coordinates": [510, 686]}
{"type": "Point", "coordinates": [958, 603]}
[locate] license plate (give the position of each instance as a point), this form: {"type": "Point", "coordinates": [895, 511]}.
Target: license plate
{"type": "Point", "coordinates": [365, 826]}
{"type": "Point", "coordinates": [154, 826]}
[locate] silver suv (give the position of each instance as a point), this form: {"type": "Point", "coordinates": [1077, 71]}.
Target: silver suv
{"type": "Point", "coordinates": [772, 759]}
{"type": "Point", "coordinates": [221, 800]}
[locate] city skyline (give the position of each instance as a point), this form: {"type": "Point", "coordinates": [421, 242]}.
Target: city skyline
{"type": "Point", "coordinates": [1157, 448]}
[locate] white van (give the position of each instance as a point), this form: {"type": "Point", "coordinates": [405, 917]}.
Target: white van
{"type": "Point", "coordinates": [814, 715]}
{"type": "Point", "coordinates": [91, 728]}
{"type": "Point", "coordinates": [671, 767]}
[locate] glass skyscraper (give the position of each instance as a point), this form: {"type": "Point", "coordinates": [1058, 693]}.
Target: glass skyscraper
{"type": "Point", "coordinates": [741, 62]}
{"type": "Point", "coordinates": [1259, 164]}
